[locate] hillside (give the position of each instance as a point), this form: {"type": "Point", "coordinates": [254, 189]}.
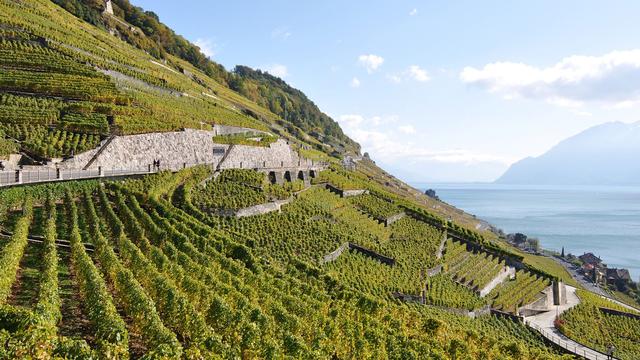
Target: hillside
{"type": "Point", "coordinates": [161, 42]}
{"type": "Point", "coordinates": [602, 155]}
{"type": "Point", "coordinates": [250, 236]}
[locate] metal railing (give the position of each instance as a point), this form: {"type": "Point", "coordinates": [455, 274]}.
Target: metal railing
{"type": "Point", "coordinates": [568, 344]}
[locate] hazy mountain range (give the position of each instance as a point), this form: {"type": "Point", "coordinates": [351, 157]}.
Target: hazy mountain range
{"type": "Point", "coordinates": [607, 154]}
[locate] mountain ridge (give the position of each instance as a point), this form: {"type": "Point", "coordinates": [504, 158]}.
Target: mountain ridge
{"type": "Point", "coordinates": [600, 155]}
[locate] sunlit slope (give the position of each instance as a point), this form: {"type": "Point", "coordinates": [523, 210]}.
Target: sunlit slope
{"type": "Point", "coordinates": [61, 73]}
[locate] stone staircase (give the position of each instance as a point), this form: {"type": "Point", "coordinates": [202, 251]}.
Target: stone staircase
{"type": "Point", "coordinates": [100, 150]}
{"type": "Point", "coordinates": [224, 157]}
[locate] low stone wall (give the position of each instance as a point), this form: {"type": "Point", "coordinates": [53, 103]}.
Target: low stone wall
{"type": "Point", "coordinates": [542, 304]}
{"type": "Point", "coordinates": [443, 242]}
{"type": "Point", "coordinates": [262, 208]}
{"type": "Point", "coordinates": [434, 271]}
{"type": "Point", "coordinates": [334, 255]}
{"type": "Point", "coordinates": [346, 193]}
{"type": "Point", "coordinates": [350, 193]}
{"type": "Point", "coordinates": [486, 310]}
{"type": "Point", "coordinates": [254, 210]}
{"type": "Point", "coordinates": [506, 273]}
{"type": "Point", "coordinates": [393, 218]}
{"type": "Point", "coordinates": [408, 297]}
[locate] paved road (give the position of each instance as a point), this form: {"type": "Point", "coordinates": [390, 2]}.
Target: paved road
{"type": "Point", "coordinates": [590, 286]}
{"type": "Point", "coordinates": [544, 323]}
{"type": "Point", "coordinates": [573, 270]}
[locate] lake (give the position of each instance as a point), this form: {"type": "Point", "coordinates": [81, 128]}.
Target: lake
{"type": "Point", "coordinates": [602, 220]}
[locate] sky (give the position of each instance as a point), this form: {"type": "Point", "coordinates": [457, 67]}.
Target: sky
{"type": "Point", "coordinates": [436, 91]}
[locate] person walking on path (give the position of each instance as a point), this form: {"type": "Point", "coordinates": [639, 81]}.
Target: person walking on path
{"type": "Point", "coordinates": [610, 350]}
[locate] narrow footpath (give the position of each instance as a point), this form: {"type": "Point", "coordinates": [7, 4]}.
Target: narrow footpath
{"type": "Point", "coordinates": [544, 324]}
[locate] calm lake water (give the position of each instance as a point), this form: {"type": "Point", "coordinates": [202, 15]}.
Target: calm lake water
{"type": "Point", "coordinates": [602, 220]}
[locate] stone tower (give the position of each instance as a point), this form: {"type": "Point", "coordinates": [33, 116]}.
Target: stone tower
{"type": "Point", "coordinates": [108, 7]}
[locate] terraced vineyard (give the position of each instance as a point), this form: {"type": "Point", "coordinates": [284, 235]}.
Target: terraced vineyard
{"type": "Point", "coordinates": [588, 325]}
{"type": "Point", "coordinates": [146, 268]}
{"type": "Point", "coordinates": [474, 270]}
{"type": "Point", "coordinates": [59, 71]}
{"type": "Point", "coordinates": [161, 282]}
{"type": "Point", "coordinates": [237, 188]}
{"type": "Point", "coordinates": [523, 290]}
{"type": "Point", "coordinates": [375, 206]}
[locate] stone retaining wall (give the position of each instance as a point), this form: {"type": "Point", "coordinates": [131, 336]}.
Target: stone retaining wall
{"type": "Point", "coordinates": [262, 208]}
{"type": "Point", "coordinates": [277, 155]}
{"type": "Point", "coordinates": [393, 218]}
{"type": "Point", "coordinates": [334, 255]}
{"type": "Point", "coordinates": [443, 242]}
{"type": "Point", "coordinates": [190, 146]}
{"type": "Point", "coordinates": [486, 310]}
{"type": "Point", "coordinates": [172, 149]}
{"type": "Point", "coordinates": [506, 273]}
{"type": "Point", "coordinates": [434, 271]}
{"type": "Point", "coordinates": [346, 193]}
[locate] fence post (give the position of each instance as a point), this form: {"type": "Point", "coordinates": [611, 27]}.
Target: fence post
{"type": "Point", "coordinates": [19, 176]}
{"type": "Point", "coordinates": [100, 171]}
{"type": "Point", "coordinates": [149, 168]}
{"type": "Point", "coordinates": [184, 165]}
{"type": "Point", "coordinates": [58, 174]}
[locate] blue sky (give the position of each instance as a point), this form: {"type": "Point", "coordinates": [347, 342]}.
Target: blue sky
{"type": "Point", "coordinates": [436, 91]}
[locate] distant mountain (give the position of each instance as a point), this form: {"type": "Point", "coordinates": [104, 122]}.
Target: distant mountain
{"type": "Point", "coordinates": [606, 154]}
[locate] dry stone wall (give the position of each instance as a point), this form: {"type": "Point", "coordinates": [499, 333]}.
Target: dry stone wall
{"type": "Point", "coordinates": [277, 155]}
{"type": "Point", "coordinates": [174, 149]}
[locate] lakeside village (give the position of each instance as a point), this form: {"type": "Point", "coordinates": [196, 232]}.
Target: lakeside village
{"type": "Point", "coordinates": [589, 266]}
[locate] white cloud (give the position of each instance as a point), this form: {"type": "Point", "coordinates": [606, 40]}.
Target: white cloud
{"type": "Point", "coordinates": [207, 47]}
{"type": "Point", "coordinates": [407, 129]}
{"type": "Point", "coordinates": [355, 82]}
{"type": "Point", "coordinates": [418, 73]}
{"type": "Point", "coordinates": [393, 144]}
{"type": "Point", "coordinates": [413, 72]}
{"type": "Point", "coordinates": [413, 12]}
{"type": "Point", "coordinates": [280, 33]}
{"type": "Point", "coordinates": [582, 113]}
{"type": "Point", "coordinates": [370, 62]}
{"type": "Point", "coordinates": [278, 70]}
{"type": "Point", "coordinates": [612, 79]}
{"type": "Point", "coordinates": [394, 78]}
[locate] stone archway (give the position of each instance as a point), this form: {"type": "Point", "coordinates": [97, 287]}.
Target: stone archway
{"type": "Point", "coordinates": [287, 176]}
{"type": "Point", "coordinates": [272, 177]}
